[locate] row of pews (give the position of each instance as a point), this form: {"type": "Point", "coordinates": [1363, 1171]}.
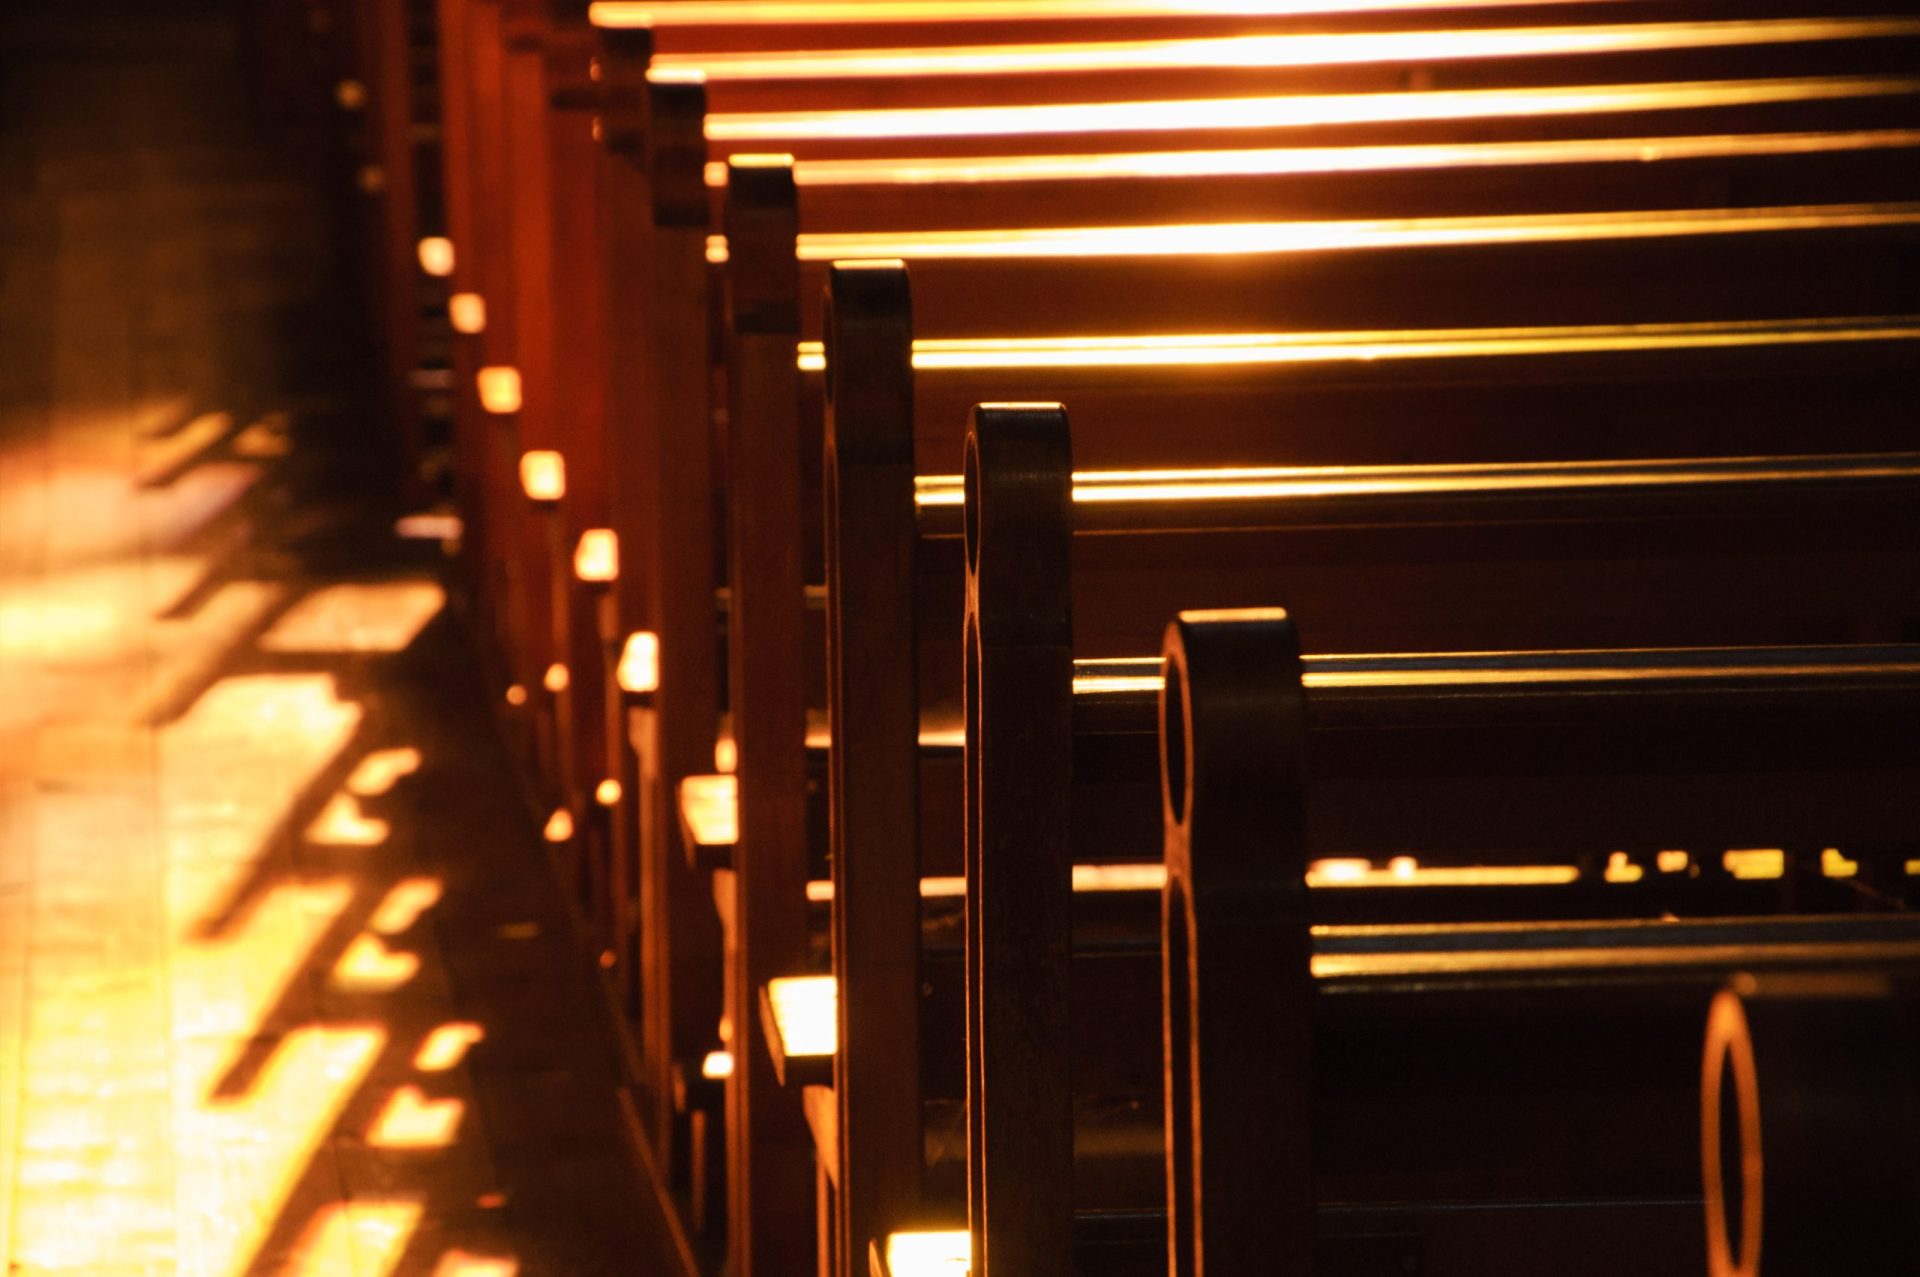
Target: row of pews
{"type": "Point", "coordinates": [1192, 636]}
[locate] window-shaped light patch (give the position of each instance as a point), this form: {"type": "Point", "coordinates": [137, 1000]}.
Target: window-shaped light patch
{"type": "Point", "coordinates": [1755, 862]}
{"type": "Point", "coordinates": [499, 386]}
{"type": "Point", "coordinates": [639, 670]}
{"type": "Point", "coordinates": [467, 312]}
{"type": "Point", "coordinates": [447, 1045]}
{"type": "Point", "coordinates": [403, 905]}
{"type": "Point", "coordinates": [436, 256]}
{"type": "Point", "coordinates": [368, 966]}
{"type": "Point", "coordinates": [806, 1014]}
{"type": "Point", "coordinates": [543, 475]}
{"type": "Point", "coordinates": [717, 1065]}
{"type": "Point", "coordinates": [596, 559]}
{"type": "Point", "coordinates": [410, 1119]}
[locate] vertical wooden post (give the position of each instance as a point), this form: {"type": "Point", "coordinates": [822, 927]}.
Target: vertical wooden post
{"type": "Point", "coordinates": [1019, 776]}
{"type": "Point", "coordinates": [874, 783]}
{"type": "Point", "coordinates": [622, 60]}
{"type": "Point", "coordinates": [771, 1208]}
{"type": "Point", "coordinates": [1237, 975]}
{"type": "Point", "coordinates": [683, 948]}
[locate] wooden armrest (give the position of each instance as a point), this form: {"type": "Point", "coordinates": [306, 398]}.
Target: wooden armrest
{"type": "Point", "coordinates": [800, 1017]}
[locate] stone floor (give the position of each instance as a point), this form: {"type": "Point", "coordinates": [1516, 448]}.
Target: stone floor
{"type": "Point", "coordinates": [284, 987]}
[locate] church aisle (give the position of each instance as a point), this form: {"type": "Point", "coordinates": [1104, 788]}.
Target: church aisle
{"type": "Point", "coordinates": [285, 987]}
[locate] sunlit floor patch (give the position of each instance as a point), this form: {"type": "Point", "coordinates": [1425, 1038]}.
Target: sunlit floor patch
{"type": "Point", "coordinates": [461, 1263]}
{"type": "Point", "coordinates": [355, 1239]}
{"type": "Point", "coordinates": [410, 1119]}
{"type": "Point", "coordinates": [369, 966]}
{"type": "Point", "coordinates": [384, 617]}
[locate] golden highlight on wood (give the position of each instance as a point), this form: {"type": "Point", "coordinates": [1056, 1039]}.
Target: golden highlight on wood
{"type": "Point", "coordinates": [1291, 111]}
{"type": "Point", "coordinates": [596, 557]}
{"type": "Point", "coordinates": [543, 475]}
{"type": "Point", "coordinates": [639, 668]}
{"type": "Point", "coordinates": [1274, 52]}
{"type": "Point", "coordinates": [1303, 160]}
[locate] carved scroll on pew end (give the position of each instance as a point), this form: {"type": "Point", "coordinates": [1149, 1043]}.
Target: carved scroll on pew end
{"type": "Point", "coordinates": [1809, 1125]}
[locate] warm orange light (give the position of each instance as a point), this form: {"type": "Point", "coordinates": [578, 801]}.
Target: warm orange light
{"type": "Point", "coordinates": [436, 256]}
{"type": "Point", "coordinates": [447, 1045]}
{"type": "Point", "coordinates": [467, 312]}
{"type": "Point", "coordinates": [1261, 238]}
{"type": "Point", "coordinates": [364, 618]}
{"type": "Point", "coordinates": [710, 807]}
{"type": "Point", "coordinates": [1281, 161]}
{"type": "Point", "coordinates": [1333, 872]}
{"type": "Point", "coordinates": [463, 1263]}
{"type": "Point", "coordinates": [343, 1235]}
{"type": "Point", "coordinates": [559, 826]}
{"type": "Point", "coordinates": [1289, 110]}
{"type": "Point", "coordinates": [607, 793]}
{"type": "Point", "coordinates": [639, 669]}
{"type": "Point", "coordinates": [1210, 349]}
{"type": "Point", "coordinates": [717, 1065]}
{"type": "Point", "coordinates": [516, 695]}
{"type": "Point", "coordinates": [371, 178]}
{"type": "Point", "coordinates": [556, 679]}
{"type": "Point", "coordinates": [340, 824]}
{"type": "Point", "coordinates": [543, 475]}
{"type": "Point", "coordinates": [1620, 868]}
{"type": "Point", "coordinates": [381, 770]}
{"type": "Point", "coordinates": [780, 13]}
{"type": "Point", "coordinates": [806, 1013]}
{"type": "Point", "coordinates": [726, 755]}
{"type": "Point", "coordinates": [369, 966]}
{"type": "Point", "coordinates": [1672, 862]}
{"type": "Point", "coordinates": [1759, 862]}
{"type": "Point", "coordinates": [1267, 51]}
{"type": "Point", "coordinates": [1835, 865]}
{"type": "Point", "coordinates": [932, 1253]}
{"type": "Point", "coordinates": [596, 558]}
{"type": "Point", "coordinates": [404, 903]}
{"type": "Point", "coordinates": [350, 95]}
{"type": "Point", "coordinates": [429, 527]}
{"type": "Point", "coordinates": [499, 387]}
{"type": "Point", "coordinates": [411, 1120]}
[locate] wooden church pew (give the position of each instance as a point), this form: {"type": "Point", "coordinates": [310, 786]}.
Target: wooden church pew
{"type": "Point", "coordinates": [1239, 768]}
{"type": "Point", "coordinates": [1018, 807]}
{"type": "Point", "coordinates": [686, 496]}
{"type": "Point", "coordinates": [875, 792]}
{"type": "Point", "coordinates": [677, 149]}
{"type": "Point", "coordinates": [765, 260]}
